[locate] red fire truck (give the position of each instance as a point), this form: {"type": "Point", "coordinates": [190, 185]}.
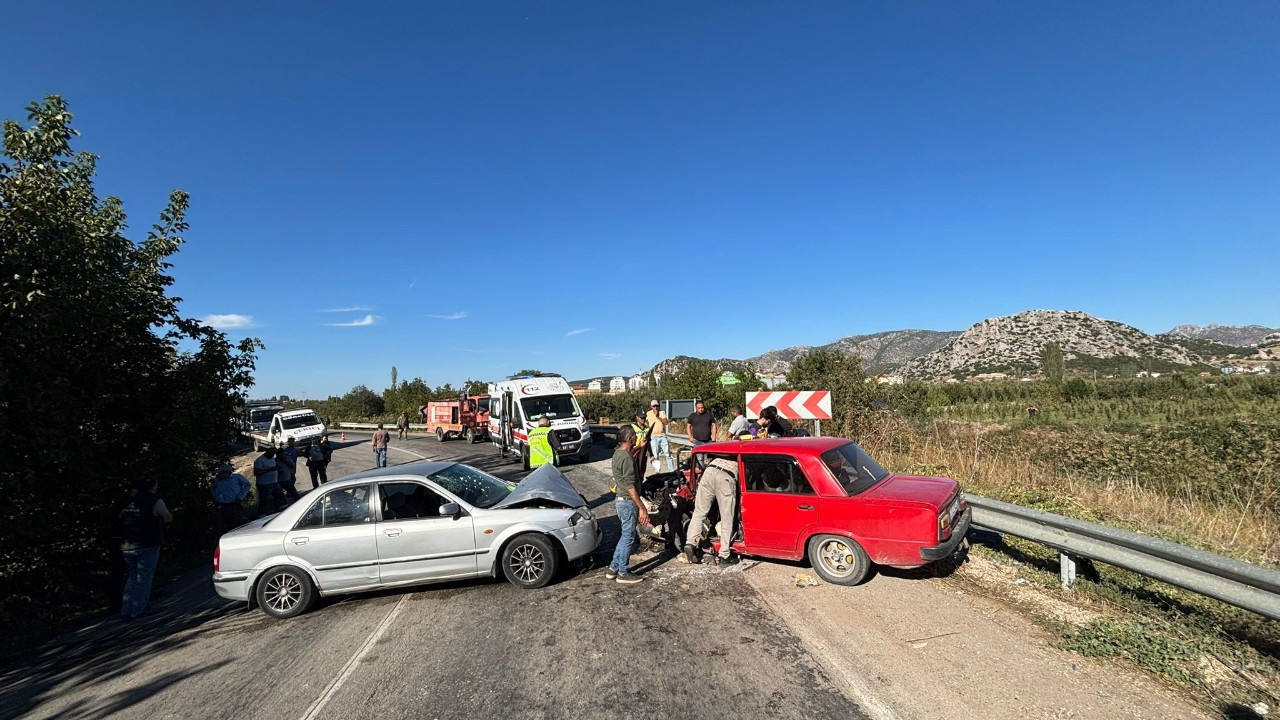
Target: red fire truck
{"type": "Point", "coordinates": [466, 418]}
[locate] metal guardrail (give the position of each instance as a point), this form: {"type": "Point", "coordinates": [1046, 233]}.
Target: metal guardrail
{"type": "Point", "coordinates": [1234, 582]}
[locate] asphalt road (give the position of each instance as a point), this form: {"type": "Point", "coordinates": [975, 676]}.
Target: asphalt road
{"type": "Point", "coordinates": [689, 642]}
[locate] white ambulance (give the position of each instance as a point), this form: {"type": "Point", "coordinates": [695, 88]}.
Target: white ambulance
{"type": "Point", "coordinates": [516, 404]}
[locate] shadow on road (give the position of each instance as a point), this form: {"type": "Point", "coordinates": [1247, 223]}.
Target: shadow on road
{"type": "Point", "coordinates": [108, 650]}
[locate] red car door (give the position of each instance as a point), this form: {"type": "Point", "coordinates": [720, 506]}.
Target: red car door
{"type": "Point", "coordinates": [778, 504]}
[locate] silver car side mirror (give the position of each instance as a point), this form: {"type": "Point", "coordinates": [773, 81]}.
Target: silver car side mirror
{"type": "Point", "coordinates": [452, 510]}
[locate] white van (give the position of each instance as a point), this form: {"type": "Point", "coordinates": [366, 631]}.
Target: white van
{"type": "Point", "coordinates": [516, 404]}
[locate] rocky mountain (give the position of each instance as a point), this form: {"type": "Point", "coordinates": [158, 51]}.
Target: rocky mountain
{"type": "Point", "coordinates": [880, 351]}
{"type": "Point", "coordinates": [1014, 343]}
{"type": "Point", "coordinates": [671, 366]}
{"type": "Point", "coordinates": [1234, 335]}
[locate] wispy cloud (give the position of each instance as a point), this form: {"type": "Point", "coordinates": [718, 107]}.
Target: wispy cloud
{"type": "Point", "coordinates": [362, 322]}
{"type": "Point", "coordinates": [579, 331]}
{"type": "Point", "coordinates": [415, 282]}
{"type": "Point", "coordinates": [451, 316]}
{"type": "Point", "coordinates": [229, 321]}
{"type": "Point", "coordinates": [610, 356]}
{"type": "Point", "coordinates": [353, 308]}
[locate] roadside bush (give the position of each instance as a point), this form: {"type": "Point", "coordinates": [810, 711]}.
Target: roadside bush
{"type": "Point", "coordinates": [102, 380]}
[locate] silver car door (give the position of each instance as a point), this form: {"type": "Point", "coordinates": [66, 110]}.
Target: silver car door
{"type": "Point", "coordinates": [335, 538]}
{"type": "Point", "coordinates": [415, 542]}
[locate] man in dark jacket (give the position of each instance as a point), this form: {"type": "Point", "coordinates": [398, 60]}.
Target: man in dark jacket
{"type": "Point", "coordinates": [318, 456]}
{"type": "Point", "coordinates": [142, 520]}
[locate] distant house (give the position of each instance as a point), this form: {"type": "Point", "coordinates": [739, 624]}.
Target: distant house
{"type": "Point", "coordinates": [637, 382]}
{"type": "Point", "coordinates": [771, 380]}
{"type": "Point", "coordinates": [594, 386]}
{"type": "Point", "coordinates": [1260, 371]}
{"type": "Point", "coordinates": [989, 377]}
{"type": "Point", "coordinates": [1206, 373]}
{"type": "Point", "coordinates": [618, 384]}
{"type": "Point", "coordinates": [889, 380]}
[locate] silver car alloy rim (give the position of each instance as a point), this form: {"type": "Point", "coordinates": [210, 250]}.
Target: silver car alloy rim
{"type": "Point", "coordinates": [527, 562]}
{"type": "Point", "coordinates": [283, 592]}
{"type": "Point", "coordinates": [836, 557]}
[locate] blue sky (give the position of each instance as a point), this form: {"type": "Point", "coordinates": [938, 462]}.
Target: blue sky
{"type": "Point", "coordinates": [592, 187]}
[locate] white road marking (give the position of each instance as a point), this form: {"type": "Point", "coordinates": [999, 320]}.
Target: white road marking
{"type": "Point", "coordinates": [314, 711]}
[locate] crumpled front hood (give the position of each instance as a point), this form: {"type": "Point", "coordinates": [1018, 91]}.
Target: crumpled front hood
{"type": "Point", "coordinates": [545, 483]}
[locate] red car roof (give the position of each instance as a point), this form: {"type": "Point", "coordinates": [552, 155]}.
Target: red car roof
{"type": "Point", "coordinates": [793, 446]}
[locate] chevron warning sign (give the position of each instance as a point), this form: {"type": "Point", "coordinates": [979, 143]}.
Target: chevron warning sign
{"type": "Point", "coordinates": [792, 404]}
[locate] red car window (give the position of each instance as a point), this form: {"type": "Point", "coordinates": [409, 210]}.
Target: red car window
{"type": "Point", "coordinates": [775, 474]}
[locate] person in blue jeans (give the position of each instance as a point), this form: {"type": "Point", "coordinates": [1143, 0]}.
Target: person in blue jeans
{"type": "Point", "coordinates": [142, 519]}
{"type": "Point", "coordinates": [628, 506]}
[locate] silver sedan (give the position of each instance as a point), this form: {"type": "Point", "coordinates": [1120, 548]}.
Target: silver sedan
{"type": "Point", "coordinates": [417, 523]}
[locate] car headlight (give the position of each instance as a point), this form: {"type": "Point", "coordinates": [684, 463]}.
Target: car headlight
{"type": "Point", "coordinates": [580, 515]}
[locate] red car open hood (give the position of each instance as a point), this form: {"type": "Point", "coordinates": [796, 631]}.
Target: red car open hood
{"type": "Point", "coordinates": [933, 490]}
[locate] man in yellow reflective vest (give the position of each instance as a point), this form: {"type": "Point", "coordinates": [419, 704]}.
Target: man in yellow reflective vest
{"type": "Point", "coordinates": [542, 444]}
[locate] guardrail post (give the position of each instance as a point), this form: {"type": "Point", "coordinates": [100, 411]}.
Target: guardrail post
{"type": "Point", "coordinates": [1067, 570]}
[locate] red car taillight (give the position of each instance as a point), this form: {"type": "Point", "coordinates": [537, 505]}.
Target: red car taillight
{"type": "Point", "coordinates": [217, 557]}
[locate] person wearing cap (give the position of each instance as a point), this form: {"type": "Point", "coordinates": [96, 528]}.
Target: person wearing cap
{"type": "Point", "coordinates": [640, 449]}
{"type": "Point", "coordinates": [229, 491]}
{"type": "Point", "coordinates": [543, 446]}
{"type": "Point", "coordinates": [718, 484]}
{"type": "Point", "coordinates": [659, 445]}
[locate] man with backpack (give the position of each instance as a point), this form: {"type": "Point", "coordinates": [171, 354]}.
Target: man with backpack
{"type": "Point", "coordinates": [318, 456]}
{"type": "Point", "coordinates": [142, 519]}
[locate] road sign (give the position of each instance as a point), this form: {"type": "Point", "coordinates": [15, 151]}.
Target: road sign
{"type": "Point", "coordinates": [792, 404]}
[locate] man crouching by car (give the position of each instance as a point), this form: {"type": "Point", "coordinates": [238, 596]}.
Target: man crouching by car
{"type": "Point", "coordinates": [719, 484]}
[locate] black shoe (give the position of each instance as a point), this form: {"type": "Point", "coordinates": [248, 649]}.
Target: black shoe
{"type": "Point", "coordinates": [727, 561]}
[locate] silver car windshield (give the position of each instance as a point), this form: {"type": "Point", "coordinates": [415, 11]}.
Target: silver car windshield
{"type": "Point", "coordinates": [478, 489]}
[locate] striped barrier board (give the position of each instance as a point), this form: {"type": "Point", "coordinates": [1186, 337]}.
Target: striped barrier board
{"type": "Point", "coordinates": [792, 404]}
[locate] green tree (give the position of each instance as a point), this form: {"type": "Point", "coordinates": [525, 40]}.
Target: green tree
{"type": "Point", "coordinates": [1052, 364]}
{"type": "Point", "coordinates": [527, 372]}
{"type": "Point", "coordinates": [476, 387]}
{"type": "Point", "coordinates": [102, 380]}
{"type": "Point", "coordinates": [852, 397]}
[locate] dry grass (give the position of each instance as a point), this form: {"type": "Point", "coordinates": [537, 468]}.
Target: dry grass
{"type": "Point", "coordinates": [1242, 524]}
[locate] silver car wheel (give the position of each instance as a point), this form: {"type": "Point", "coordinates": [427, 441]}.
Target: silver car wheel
{"type": "Point", "coordinates": [527, 562]}
{"type": "Point", "coordinates": [283, 592]}
{"type": "Point", "coordinates": [837, 558]}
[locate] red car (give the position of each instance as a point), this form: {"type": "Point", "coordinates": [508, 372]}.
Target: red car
{"type": "Point", "coordinates": [827, 500]}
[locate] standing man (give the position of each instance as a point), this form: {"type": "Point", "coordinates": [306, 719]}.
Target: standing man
{"type": "Point", "coordinates": [402, 425]}
{"type": "Point", "coordinates": [738, 427]}
{"type": "Point", "coordinates": [267, 474]}
{"type": "Point", "coordinates": [142, 520]}
{"type": "Point", "coordinates": [628, 506]}
{"type": "Point", "coordinates": [381, 438]}
{"type": "Point", "coordinates": [543, 445]}
{"type": "Point", "coordinates": [287, 464]}
{"type": "Point", "coordinates": [718, 484]}
{"type": "Point", "coordinates": [317, 460]}
{"type": "Point", "coordinates": [702, 426]}
{"type": "Point", "coordinates": [658, 442]}
{"type": "Point", "coordinates": [229, 491]}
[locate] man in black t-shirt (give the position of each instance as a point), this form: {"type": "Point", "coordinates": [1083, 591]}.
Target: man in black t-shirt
{"type": "Point", "coordinates": [702, 425]}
